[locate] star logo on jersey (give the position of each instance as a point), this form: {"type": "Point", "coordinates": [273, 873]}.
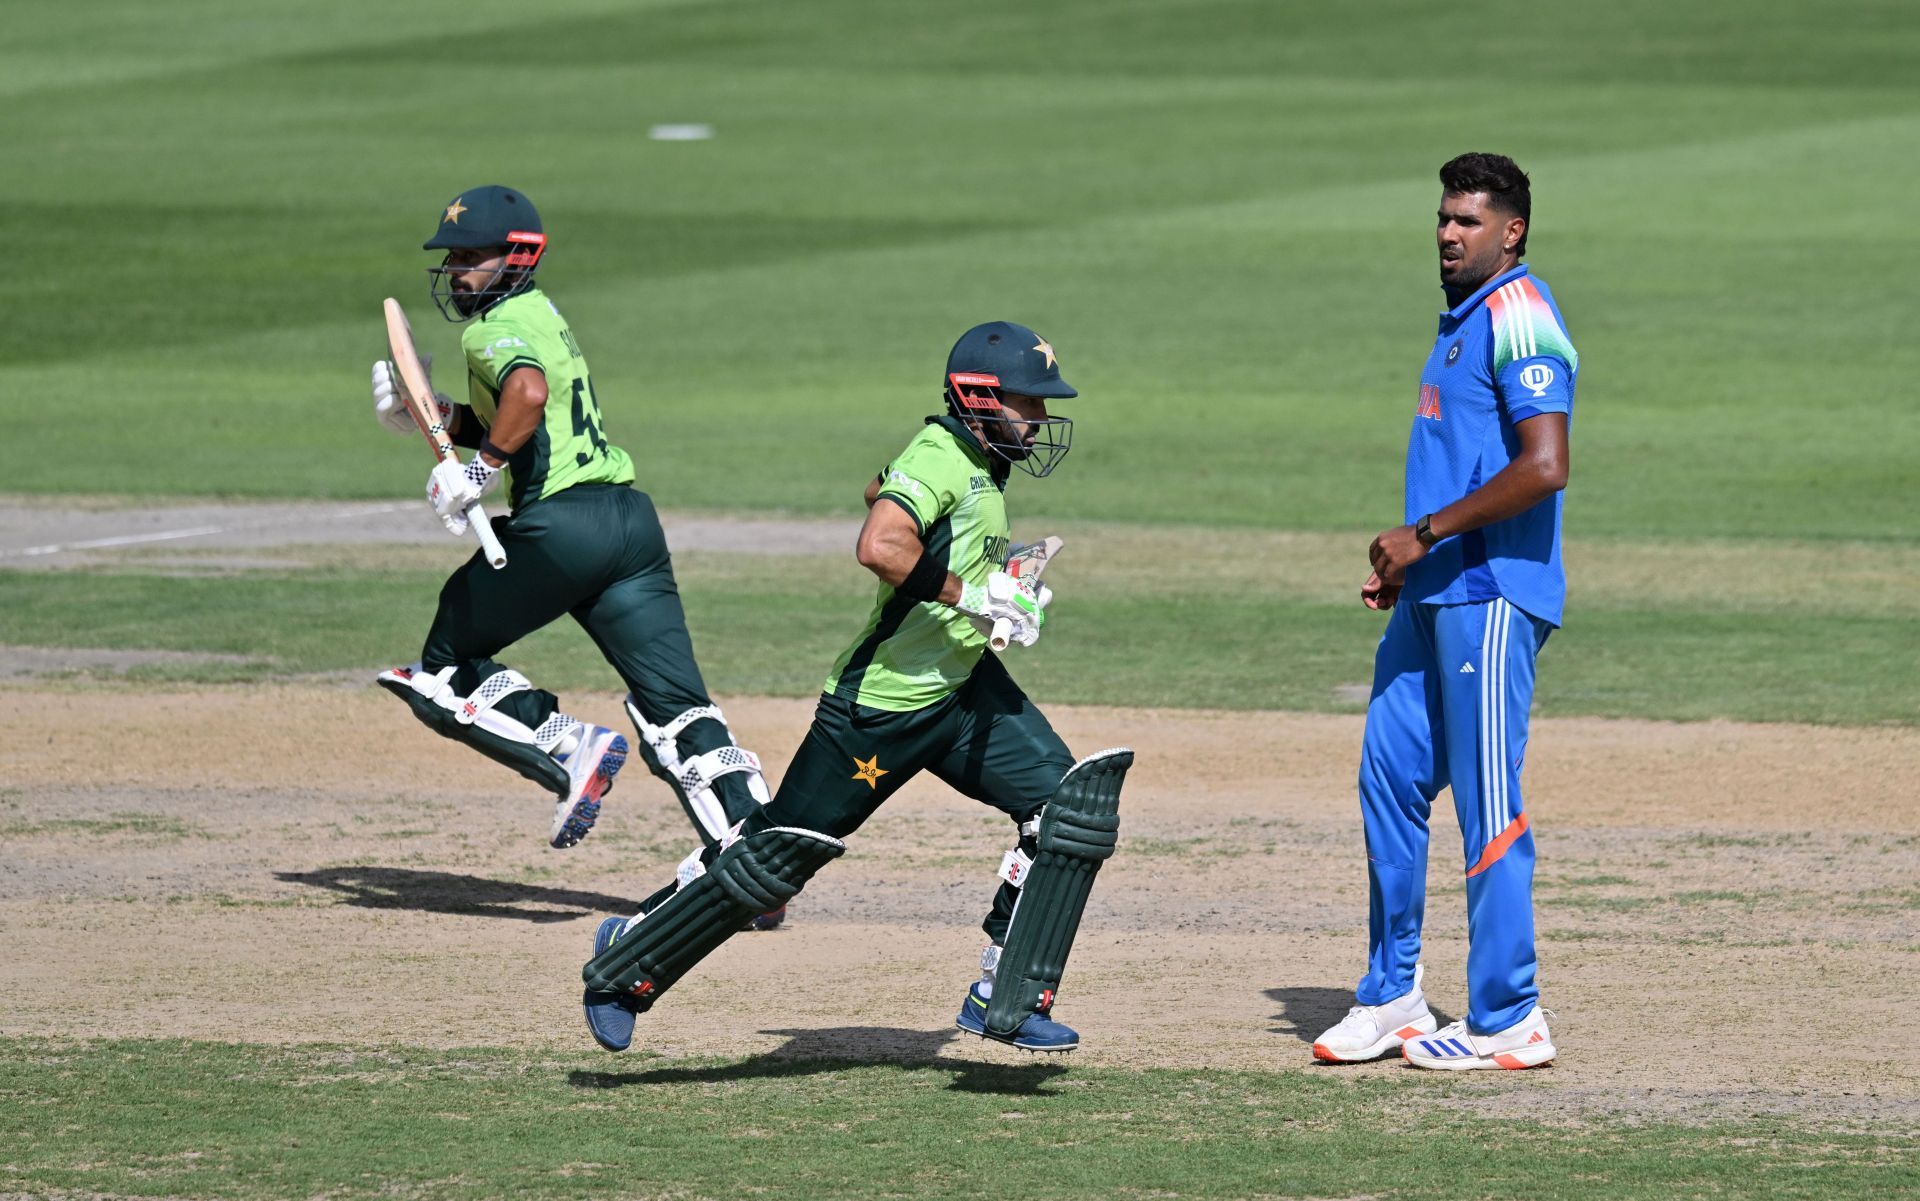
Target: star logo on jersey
{"type": "Point", "coordinates": [870, 771]}
{"type": "Point", "coordinates": [454, 210]}
{"type": "Point", "coordinates": [1046, 348]}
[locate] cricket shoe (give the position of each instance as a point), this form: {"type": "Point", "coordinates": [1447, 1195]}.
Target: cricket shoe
{"type": "Point", "coordinates": [769, 920]}
{"type": "Point", "coordinates": [609, 1015]}
{"type": "Point", "coordinates": [1525, 1044]}
{"type": "Point", "coordinates": [1039, 1032]}
{"type": "Point", "coordinates": [1370, 1031]}
{"type": "Point", "coordinates": [591, 767]}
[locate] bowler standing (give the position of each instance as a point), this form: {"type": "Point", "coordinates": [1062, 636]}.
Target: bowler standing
{"type": "Point", "coordinates": [1474, 584]}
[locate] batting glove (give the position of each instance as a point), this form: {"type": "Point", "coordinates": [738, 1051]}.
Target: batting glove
{"type": "Point", "coordinates": [1005, 598]}
{"type": "Point", "coordinates": [390, 411]}
{"type": "Point", "coordinates": [453, 486]}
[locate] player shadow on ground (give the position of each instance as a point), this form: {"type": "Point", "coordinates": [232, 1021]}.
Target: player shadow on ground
{"type": "Point", "coordinates": [844, 1048]}
{"type": "Point", "coordinates": [468, 896]}
{"type": "Point", "coordinates": [1306, 1012]}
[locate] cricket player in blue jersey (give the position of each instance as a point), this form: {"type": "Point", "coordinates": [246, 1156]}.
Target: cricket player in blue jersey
{"type": "Point", "coordinates": [1474, 585]}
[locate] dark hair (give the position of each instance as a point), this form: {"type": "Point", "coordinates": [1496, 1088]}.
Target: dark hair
{"type": "Point", "coordinates": [1505, 184]}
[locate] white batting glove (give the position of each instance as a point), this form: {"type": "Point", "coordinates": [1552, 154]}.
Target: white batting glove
{"type": "Point", "coordinates": [390, 411]}
{"type": "Point", "coordinates": [1005, 598]}
{"type": "Point", "coordinates": [453, 485]}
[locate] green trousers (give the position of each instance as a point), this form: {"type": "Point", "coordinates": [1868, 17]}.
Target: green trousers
{"type": "Point", "coordinates": [596, 553]}
{"type": "Point", "coordinates": [986, 740]}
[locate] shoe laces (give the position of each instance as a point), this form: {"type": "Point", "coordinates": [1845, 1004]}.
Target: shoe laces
{"type": "Point", "coordinates": [1359, 1016]}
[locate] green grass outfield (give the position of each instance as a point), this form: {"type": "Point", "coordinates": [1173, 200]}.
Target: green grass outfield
{"type": "Point", "coordinates": [1145, 616]}
{"type": "Point", "coordinates": [135, 1118]}
{"type": "Point", "coordinates": [1218, 210]}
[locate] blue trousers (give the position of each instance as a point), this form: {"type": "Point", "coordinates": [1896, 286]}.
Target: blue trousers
{"type": "Point", "coordinates": [1451, 689]}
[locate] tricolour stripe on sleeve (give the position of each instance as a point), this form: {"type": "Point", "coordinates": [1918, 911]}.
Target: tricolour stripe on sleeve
{"type": "Point", "coordinates": [1524, 326]}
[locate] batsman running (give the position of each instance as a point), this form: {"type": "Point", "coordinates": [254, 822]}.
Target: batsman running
{"type": "Point", "coordinates": [919, 690]}
{"type": "Point", "coordinates": [580, 541]}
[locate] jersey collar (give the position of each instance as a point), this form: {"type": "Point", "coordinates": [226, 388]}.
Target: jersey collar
{"type": "Point", "coordinates": [1487, 289]}
{"type": "Point", "coordinates": [997, 468]}
{"type": "Point", "coordinates": [529, 289]}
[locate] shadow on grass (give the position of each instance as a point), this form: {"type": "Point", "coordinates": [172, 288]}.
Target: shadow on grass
{"type": "Point", "coordinates": [1306, 1012]}
{"type": "Point", "coordinates": [844, 1048]}
{"type": "Point", "coordinates": [446, 892]}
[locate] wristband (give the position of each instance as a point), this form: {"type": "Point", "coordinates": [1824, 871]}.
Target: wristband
{"type": "Point", "coordinates": [487, 447]}
{"type": "Point", "coordinates": [480, 473]}
{"type": "Point", "coordinates": [1423, 531]}
{"type": "Point", "coordinates": [925, 581]}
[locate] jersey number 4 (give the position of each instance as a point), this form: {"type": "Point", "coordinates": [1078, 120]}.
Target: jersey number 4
{"type": "Point", "coordinates": [585, 409]}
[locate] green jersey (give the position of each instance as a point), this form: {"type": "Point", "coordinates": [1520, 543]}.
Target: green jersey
{"type": "Point", "coordinates": [568, 447]}
{"type": "Point", "coordinates": [913, 653]}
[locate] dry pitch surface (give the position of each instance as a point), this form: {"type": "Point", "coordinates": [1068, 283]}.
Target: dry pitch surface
{"type": "Point", "coordinates": [1726, 911]}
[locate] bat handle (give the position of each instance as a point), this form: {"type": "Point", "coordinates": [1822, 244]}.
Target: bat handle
{"type": "Point", "coordinates": [1002, 634]}
{"type": "Point", "coordinates": [489, 541]}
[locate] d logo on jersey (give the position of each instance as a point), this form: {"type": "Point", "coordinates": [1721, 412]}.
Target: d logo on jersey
{"type": "Point", "coordinates": [1536, 377]}
{"type": "Point", "coordinates": [1429, 402]}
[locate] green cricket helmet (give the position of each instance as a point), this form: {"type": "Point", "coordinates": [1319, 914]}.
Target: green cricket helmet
{"type": "Point", "coordinates": [992, 360]}
{"type": "Point", "coordinates": [487, 218]}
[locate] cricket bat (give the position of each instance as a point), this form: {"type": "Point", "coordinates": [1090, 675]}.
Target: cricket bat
{"type": "Point", "coordinates": [417, 393]}
{"type": "Point", "coordinates": [1025, 563]}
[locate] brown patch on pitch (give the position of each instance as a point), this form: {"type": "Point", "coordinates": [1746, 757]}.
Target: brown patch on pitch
{"type": "Point", "coordinates": [304, 864]}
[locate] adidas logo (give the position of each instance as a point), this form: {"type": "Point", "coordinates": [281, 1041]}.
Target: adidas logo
{"type": "Point", "coordinates": [1536, 1038]}
{"type": "Point", "coordinates": [1466, 669]}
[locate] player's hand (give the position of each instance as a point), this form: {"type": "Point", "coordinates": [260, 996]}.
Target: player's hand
{"type": "Point", "coordinates": [1393, 551]}
{"type": "Point", "coordinates": [390, 411]}
{"type": "Point", "coordinates": [452, 486]}
{"type": "Point", "coordinates": [1378, 596]}
{"type": "Point", "coordinates": [1005, 598]}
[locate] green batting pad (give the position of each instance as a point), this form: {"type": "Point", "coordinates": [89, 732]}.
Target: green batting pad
{"type": "Point", "coordinates": [756, 875]}
{"type": "Point", "coordinates": [1079, 829]}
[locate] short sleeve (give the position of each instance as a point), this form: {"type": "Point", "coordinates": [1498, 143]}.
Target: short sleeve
{"type": "Point", "coordinates": [494, 350]}
{"type": "Point", "coordinates": [921, 481]}
{"type": "Point", "coordinates": [1532, 386]}
{"type": "Point", "coordinates": [1533, 358]}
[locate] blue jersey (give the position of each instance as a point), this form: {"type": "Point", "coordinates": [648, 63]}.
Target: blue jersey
{"type": "Point", "coordinates": [1502, 356]}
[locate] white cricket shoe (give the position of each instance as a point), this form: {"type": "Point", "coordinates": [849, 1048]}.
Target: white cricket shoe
{"type": "Point", "coordinates": [1525, 1044]}
{"type": "Point", "coordinates": [1370, 1031]}
{"type": "Point", "coordinates": [595, 760]}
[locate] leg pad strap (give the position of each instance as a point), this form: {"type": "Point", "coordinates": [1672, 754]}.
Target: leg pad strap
{"type": "Point", "coordinates": [755, 875]}
{"type": "Point", "coordinates": [471, 720]}
{"type": "Point", "coordinates": [692, 779]}
{"type": "Point", "coordinates": [1079, 830]}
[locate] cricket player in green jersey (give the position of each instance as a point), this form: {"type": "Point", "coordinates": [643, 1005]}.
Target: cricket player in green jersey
{"type": "Point", "coordinates": [580, 542]}
{"type": "Point", "coordinates": [919, 690]}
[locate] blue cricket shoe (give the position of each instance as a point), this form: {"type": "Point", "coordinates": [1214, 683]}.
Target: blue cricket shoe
{"type": "Point", "coordinates": [1038, 1033]}
{"type": "Point", "coordinates": [609, 1015]}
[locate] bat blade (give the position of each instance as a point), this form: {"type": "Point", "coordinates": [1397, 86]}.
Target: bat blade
{"type": "Point", "coordinates": [416, 392]}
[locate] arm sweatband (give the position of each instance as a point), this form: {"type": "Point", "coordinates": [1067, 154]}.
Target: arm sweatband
{"type": "Point", "coordinates": [470, 431]}
{"type": "Point", "coordinates": [925, 581]}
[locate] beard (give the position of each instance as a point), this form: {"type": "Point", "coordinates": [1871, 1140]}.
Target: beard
{"type": "Point", "coordinates": [1466, 278]}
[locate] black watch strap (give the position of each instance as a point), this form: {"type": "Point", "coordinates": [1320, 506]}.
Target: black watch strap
{"type": "Point", "coordinates": [1423, 530]}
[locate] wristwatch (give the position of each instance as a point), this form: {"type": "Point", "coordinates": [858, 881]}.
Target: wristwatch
{"type": "Point", "coordinates": [1423, 530]}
